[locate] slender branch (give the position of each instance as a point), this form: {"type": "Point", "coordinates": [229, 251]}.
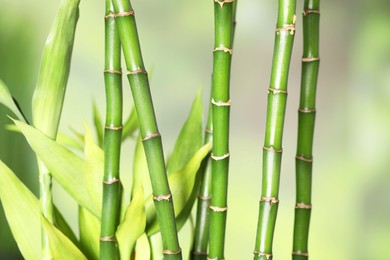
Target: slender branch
{"type": "Point", "coordinates": [306, 120]}
{"type": "Point", "coordinates": [136, 73]}
{"type": "Point", "coordinates": [223, 13]}
{"type": "Point", "coordinates": [112, 138]}
{"type": "Point", "coordinates": [272, 152]}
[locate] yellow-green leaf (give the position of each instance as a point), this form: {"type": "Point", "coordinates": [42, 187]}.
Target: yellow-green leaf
{"type": "Point", "coordinates": [7, 100]}
{"type": "Point", "coordinates": [132, 226]}
{"type": "Point", "coordinates": [97, 121]}
{"type": "Point", "coordinates": [89, 233]}
{"type": "Point", "coordinates": [142, 248]}
{"type": "Point", "coordinates": [140, 170]}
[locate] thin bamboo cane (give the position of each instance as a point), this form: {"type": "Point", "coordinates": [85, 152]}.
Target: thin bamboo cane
{"type": "Point", "coordinates": [49, 96]}
{"type": "Point", "coordinates": [124, 17]}
{"type": "Point", "coordinates": [112, 138]}
{"type": "Point", "coordinates": [272, 152]}
{"type": "Point", "coordinates": [223, 13]}
{"type": "Point", "coordinates": [306, 121]}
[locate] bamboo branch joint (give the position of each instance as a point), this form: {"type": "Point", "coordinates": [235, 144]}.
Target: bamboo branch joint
{"type": "Point", "coordinates": [221, 3]}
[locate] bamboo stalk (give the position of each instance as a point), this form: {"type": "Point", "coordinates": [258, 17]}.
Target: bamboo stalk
{"type": "Point", "coordinates": [223, 13]}
{"type": "Point", "coordinates": [136, 73]}
{"type": "Point", "coordinates": [272, 152]}
{"type": "Point", "coordinates": [112, 138]}
{"type": "Point", "coordinates": [306, 121]}
{"type": "Point", "coordinates": [49, 96]}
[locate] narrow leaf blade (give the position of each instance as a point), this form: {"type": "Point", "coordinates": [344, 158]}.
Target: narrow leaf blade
{"type": "Point", "coordinates": [7, 100]}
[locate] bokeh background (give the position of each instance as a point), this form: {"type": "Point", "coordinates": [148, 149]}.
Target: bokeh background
{"type": "Point", "coordinates": [351, 194]}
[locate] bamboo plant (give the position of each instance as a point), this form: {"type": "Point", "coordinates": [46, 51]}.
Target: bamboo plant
{"type": "Point", "coordinates": [151, 138]}
{"type": "Point", "coordinates": [112, 137]}
{"type": "Point", "coordinates": [49, 95]}
{"type": "Point", "coordinates": [272, 151]}
{"type": "Point", "coordinates": [223, 13]}
{"type": "Point", "coordinates": [306, 120]}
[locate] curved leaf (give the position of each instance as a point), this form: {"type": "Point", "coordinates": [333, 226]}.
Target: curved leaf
{"type": "Point", "coordinates": [7, 100]}
{"type": "Point", "coordinates": [140, 170]}
{"type": "Point", "coordinates": [89, 227]}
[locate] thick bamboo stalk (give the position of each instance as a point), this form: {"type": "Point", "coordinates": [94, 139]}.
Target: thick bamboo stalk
{"type": "Point", "coordinates": [306, 120]}
{"type": "Point", "coordinates": [223, 13]}
{"type": "Point", "coordinates": [112, 137]}
{"type": "Point", "coordinates": [49, 96]}
{"type": "Point", "coordinates": [136, 73]}
{"type": "Point", "coordinates": [272, 151]}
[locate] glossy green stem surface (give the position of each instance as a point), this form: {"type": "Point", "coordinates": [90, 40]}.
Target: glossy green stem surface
{"type": "Point", "coordinates": [223, 13]}
{"type": "Point", "coordinates": [306, 120]}
{"type": "Point", "coordinates": [272, 152]}
{"type": "Point", "coordinates": [112, 138]}
{"type": "Point", "coordinates": [139, 84]}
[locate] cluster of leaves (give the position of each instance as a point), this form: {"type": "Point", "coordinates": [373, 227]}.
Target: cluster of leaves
{"type": "Point", "coordinates": [81, 176]}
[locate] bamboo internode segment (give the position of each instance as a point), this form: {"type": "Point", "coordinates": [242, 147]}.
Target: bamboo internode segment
{"type": "Point", "coordinates": [300, 253]}
{"type": "Point", "coordinates": [129, 72]}
{"type": "Point", "coordinates": [272, 149]}
{"type": "Point", "coordinates": [114, 180]}
{"type": "Point", "coordinates": [310, 59]}
{"type": "Point", "coordinates": [309, 11]}
{"type": "Point", "coordinates": [307, 110]}
{"type": "Point", "coordinates": [112, 127]}
{"type": "Point", "coordinates": [302, 206]}
{"type": "Point", "coordinates": [271, 200]}
{"type": "Point", "coordinates": [221, 3]}
{"type": "Point", "coordinates": [302, 158]}
{"type": "Point", "coordinates": [169, 252]}
{"type": "Point", "coordinates": [221, 48]}
{"type": "Point", "coordinates": [108, 239]}
{"type": "Point", "coordinates": [151, 136]}
{"type": "Point", "coordinates": [277, 91]}
{"type": "Point", "coordinates": [218, 209]}
{"type": "Point", "coordinates": [215, 258]}
{"type": "Point", "coordinates": [287, 27]}
{"type": "Point", "coordinates": [221, 103]}
{"type": "Point", "coordinates": [204, 197]}
{"type": "Point", "coordinates": [268, 256]}
{"type": "Point", "coordinates": [199, 253]}
{"type": "Point", "coordinates": [166, 197]}
{"type": "Point", "coordinates": [113, 71]}
{"type": "Point", "coordinates": [218, 158]}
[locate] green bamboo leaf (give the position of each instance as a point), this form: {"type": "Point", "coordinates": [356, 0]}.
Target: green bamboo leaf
{"type": "Point", "coordinates": [132, 226]}
{"type": "Point", "coordinates": [190, 137]}
{"type": "Point", "coordinates": [66, 167]}
{"type": "Point", "coordinates": [98, 123]}
{"type": "Point", "coordinates": [182, 184]}
{"type": "Point", "coordinates": [64, 227]}
{"type": "Point", "coordinates": [142, 248]}
{"type": "Point", "coordinates": [156, 246]}
{"type": "Point", "coordinates": [68, 141]}
{"type": "Point", "coordinates": [7, 100]}
{"type": "Point", "coordinates": [131, 125]}
{"type": "Point", "coordinates": [89, 233]}
{"type": "Point", "coordinates": [60, 246]}
{"type": "Point", "coordinates": [140, 170]}
{"type": "Point", "coordinates": [21, 209]}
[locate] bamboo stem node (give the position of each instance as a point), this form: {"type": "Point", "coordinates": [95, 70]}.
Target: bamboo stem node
{"type": "Point", "coordinates": [113, 71]}
{"type": "Point", "coordinates": [218, 209]}
{"type": "Point", "coordinates": [112, 127]}
{"type": "Point", "coordinates": [129, 72]}
{"type": "Point", "coordinates": [268, 256]}
{"type": "Point", "coordinates": [303, 158]}
{"type": "Point", "coordinates": [209, 131]}
{"type": "Point", "coordinates": [169, 252]}
{"type": "Point", "coordinates": [221, 3]}
{"type": "Point", "coordinates": [114, 180]}
{"type": "Point", "coordinates": [272, 149]}
{"type": "Point", "coordinates": [305, 110]}
{"type": "Point", "coordinates": [204, 197]}
{"type": "Point", "coordinates": [108, 239]}
{"type": "Point", "coordinates": [221, 48]}
{"type": "Point", "coordinates": [218, 158]}
{"type": "Point", "coordinates": [215, 258]}
{"type": "Point", "coordinates": [221, 103]}
{"type": "Point", "coordinates": [302, 206]}
{"type": "Point", "coordinates": [122, 14]}
{"type": "Point", "coordinates": [310, 59]}
{"type": "Point", "coordinates": [287, 27]}
{"type": "Point", "coordinates": [166, 197]}
{"type": "Point", "coordinates": [110, 15]}
{"type": "Point", "coordinates": [300, 253]}
{"type": "Point", "coordinates": [271, 200]}
{"type": "Point", "coordinates": [151, 136]}
{"type": "Point", "coordinates": [310, 11]}
{"type": "Point", "coordinates": [277, 91]}
{"type": "Point", "coordinates": [199, 253]}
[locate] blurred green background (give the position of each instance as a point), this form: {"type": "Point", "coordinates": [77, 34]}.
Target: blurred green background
{"type": "Point", "coordinates": [351, 194]}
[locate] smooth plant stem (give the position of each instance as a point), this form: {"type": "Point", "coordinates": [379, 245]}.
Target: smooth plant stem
{"type": "Point", "coordinates": [306, 120]}
{"type": "Point", "coordinates": [49, 96]}
{"type": "Point", "coordinates": [124, 17]}
{"type": "Point", "coordinates": [223, 13]}
{"type": "Point", "coordinates": [112, 138]}
{"type": "Point", "coordinates": [272, 152]}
